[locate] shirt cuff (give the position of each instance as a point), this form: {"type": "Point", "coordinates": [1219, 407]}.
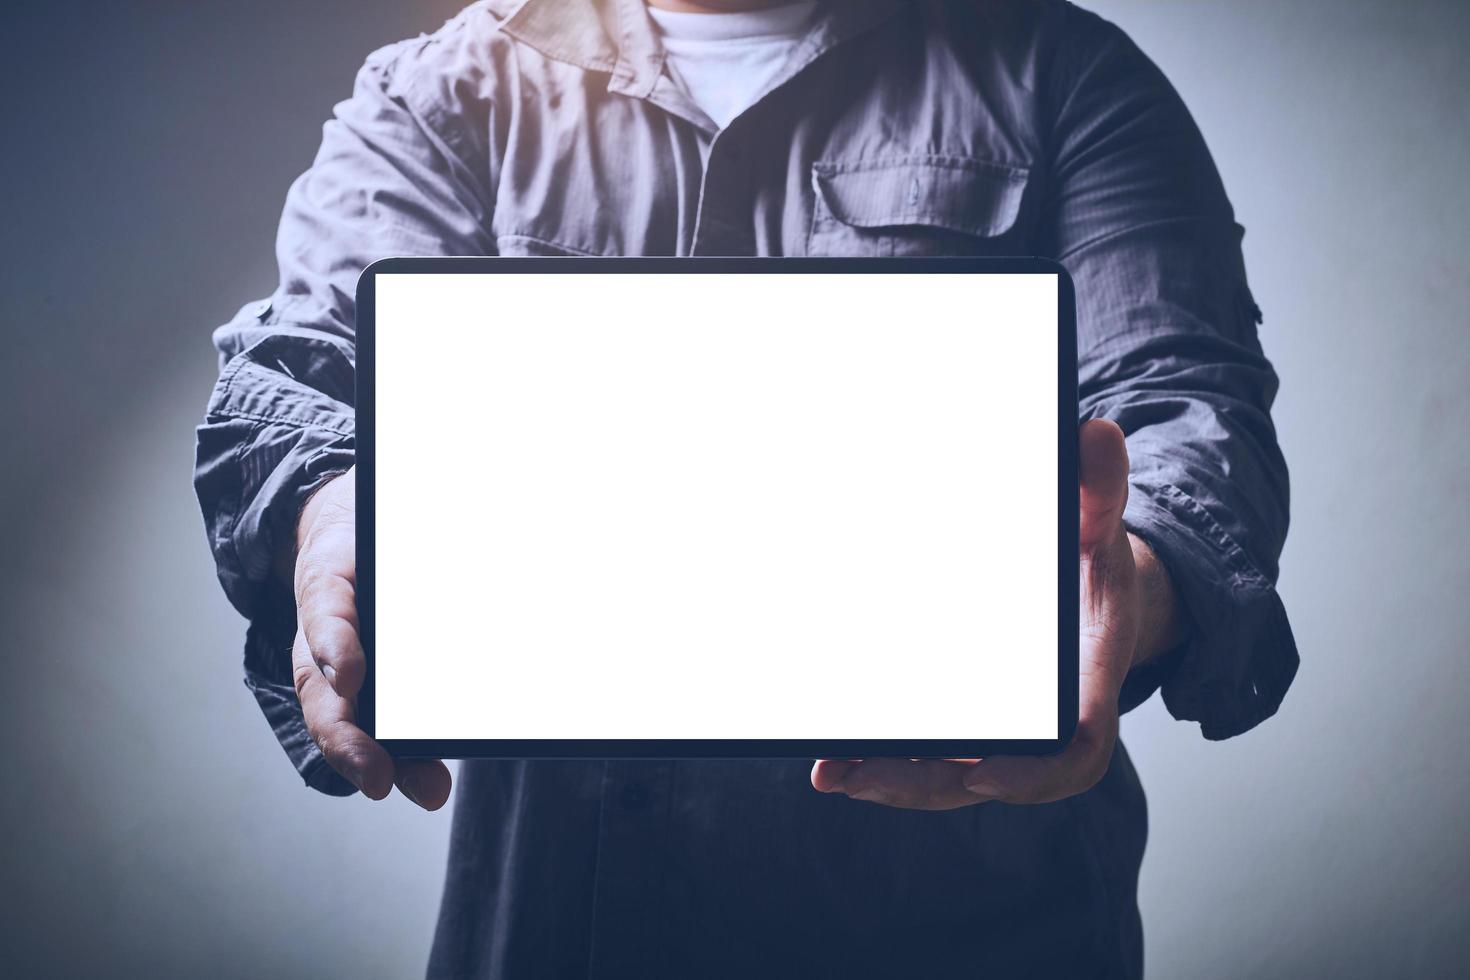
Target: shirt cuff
{"type": "Point", "coordinates": [268, 677]}
{"type": "Point", "coordinates": [1235, 669]}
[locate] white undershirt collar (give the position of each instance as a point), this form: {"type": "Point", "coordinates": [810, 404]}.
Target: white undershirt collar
{"type": "Point", "coordinates": [724, 61]}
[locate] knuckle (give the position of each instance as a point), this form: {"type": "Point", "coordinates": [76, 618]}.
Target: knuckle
{"type": "Point", "coordinates": [322, 739]}
{"type": "Point", "coordinates": [313, 572]}
{"type": "Point", "coordinates": [349, 759]}
{"type": "Point", "coordinates": [300, 677]}
{"type": "Point", "coordinates": [333, 640]}
{"type": "Point", "coordinates": [326, 556]}
{"type": "Point", "coordinates": [332, 545]}
{"type": "Point", "coordinates": [340, 607]}
{"type": "Point", "coordinates": [338, 747]}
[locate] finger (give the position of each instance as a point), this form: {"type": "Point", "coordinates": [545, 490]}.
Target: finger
{"type": "Point", "coordinates": [331, 722]}
{"type": "Point", "coordinates": [1102, 456]}
{"type": "Point", "coordinates": [827, 774]}
{"type": "Point", "coordinates": [327, 610]}
{"type": "Point", "coordinates": [1045, 779]}
{"type": "Point", "coordinates": [924, 784]}
{"type": "Point", "coordinates": [424, 781]}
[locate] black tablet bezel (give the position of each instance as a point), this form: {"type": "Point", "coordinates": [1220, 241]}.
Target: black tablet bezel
{"type": "Point", "coordinates": [1067, 516]}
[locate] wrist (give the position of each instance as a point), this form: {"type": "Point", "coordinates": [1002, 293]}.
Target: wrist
{"type": "Point", "coordinates": [1163, 625]}
{"type": "Point", "coordinates": [313, 501]}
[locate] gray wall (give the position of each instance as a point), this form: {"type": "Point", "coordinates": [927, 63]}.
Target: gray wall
{"type": "Point", "coordinates": [152, 827]}
{"type": "Point", "coordinates": [1332, 840]}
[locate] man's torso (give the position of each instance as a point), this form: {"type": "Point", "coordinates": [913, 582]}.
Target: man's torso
{"type": "Point", "coordinates": [896, 130]}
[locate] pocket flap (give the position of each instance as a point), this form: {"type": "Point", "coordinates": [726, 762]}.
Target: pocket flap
{"type": "Point", "coordinates": [973, 197]}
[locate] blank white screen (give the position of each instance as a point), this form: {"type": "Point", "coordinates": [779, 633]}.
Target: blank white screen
{"type": "Point", "coordinates": [687, 506]}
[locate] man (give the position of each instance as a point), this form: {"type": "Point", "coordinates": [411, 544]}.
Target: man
{"type": "Point", "coordinates": [861, 127]}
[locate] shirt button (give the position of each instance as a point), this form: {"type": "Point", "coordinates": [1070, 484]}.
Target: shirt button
{"type": "Point", "coordinates": [635, 796]}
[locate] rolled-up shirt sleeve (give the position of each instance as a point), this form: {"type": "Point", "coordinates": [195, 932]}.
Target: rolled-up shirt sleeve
{"type": "Point", "coordinates": [388, 180]}
{"type": "Point", "coordinates": [1168, 349]}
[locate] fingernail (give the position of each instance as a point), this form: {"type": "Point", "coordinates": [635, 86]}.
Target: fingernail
{"type": "Point", "coordinates": [977, 783]}
{"type": "Point", "coordinates": [356, 777]}
{"type": "Point", "coordinates": [330, 673]}
{"type": "Point", "coordinates": [408, 786]}
{"type": "Point", "coordinates": [868, 796]}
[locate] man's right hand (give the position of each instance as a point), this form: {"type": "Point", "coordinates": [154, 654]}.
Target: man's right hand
{"type": "Point", "coordinates": [327, 660]}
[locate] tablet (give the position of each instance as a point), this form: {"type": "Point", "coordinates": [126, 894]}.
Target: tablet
{"type": "Point", "coordinates": [680, 508]}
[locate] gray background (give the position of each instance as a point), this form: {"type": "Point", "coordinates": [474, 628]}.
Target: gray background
{"type": "Point", "coordinates": [151, 825]}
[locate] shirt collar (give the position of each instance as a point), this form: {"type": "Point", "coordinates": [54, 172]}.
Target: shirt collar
{"type": "Point", "coordinates": [617, 36]}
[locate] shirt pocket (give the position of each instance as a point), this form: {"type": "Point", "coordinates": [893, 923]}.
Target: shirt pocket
{"type": "Point", "coordinates": [917, 205]}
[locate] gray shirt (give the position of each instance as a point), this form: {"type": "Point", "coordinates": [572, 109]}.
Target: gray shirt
{"type": "Point", "coordinates": [551, 127]}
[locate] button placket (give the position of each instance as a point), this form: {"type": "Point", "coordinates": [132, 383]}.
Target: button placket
{"type": "Point", "coordinates": [721, 226]}
{"type": "Point", "coordinates": [632, 868]}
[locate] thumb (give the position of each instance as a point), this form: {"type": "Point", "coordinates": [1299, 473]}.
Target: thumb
{"type": "Point", "coordinates": [1102, 458]}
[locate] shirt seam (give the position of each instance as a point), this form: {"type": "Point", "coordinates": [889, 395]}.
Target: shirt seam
{"type": "Point", "coordinates": [288, 420]}
{"type": "Point", "coordinates": [1131, 230]}
{"type": "Point", "coordinates": [219, 410]}
{"type": "Point", "coordinates": [829, 168]}
{"type": "Point", "coordinates": [1228, 547]}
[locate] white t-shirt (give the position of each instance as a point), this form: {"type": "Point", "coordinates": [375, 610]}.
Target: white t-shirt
{"type": "Point", "coordinates": [724, 61]}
